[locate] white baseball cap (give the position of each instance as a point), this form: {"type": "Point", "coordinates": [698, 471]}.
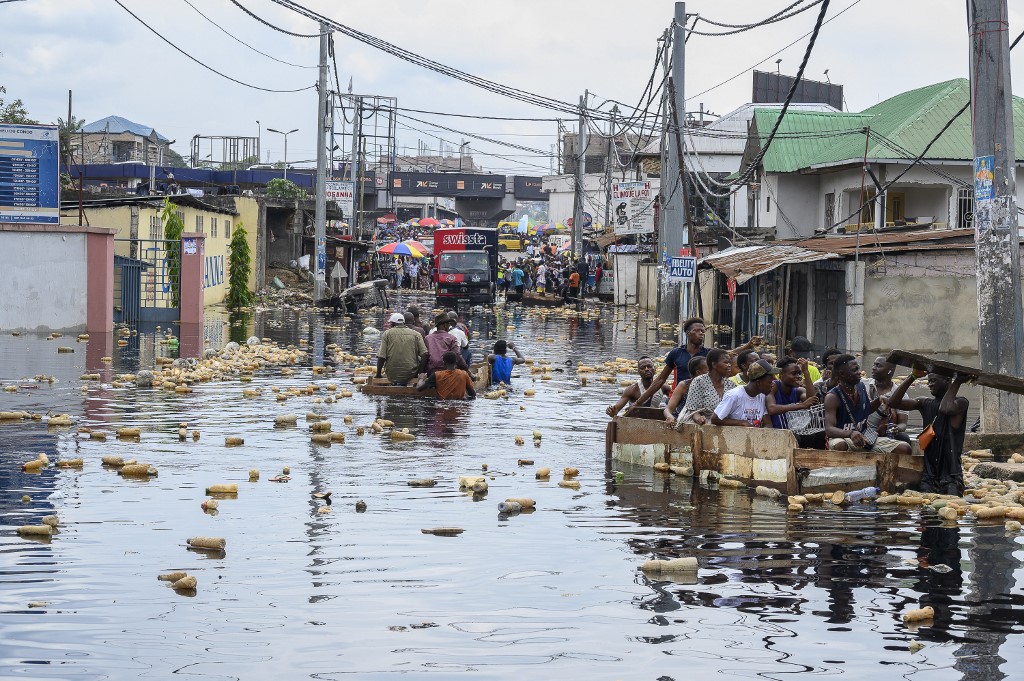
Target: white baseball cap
{"type": "Point", "coordinates": [397, 318]}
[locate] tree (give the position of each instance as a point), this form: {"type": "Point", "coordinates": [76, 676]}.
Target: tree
{"type": "Point", "coordinates": [173, 159]}
{"type": "Point", "coordinates": [66, 129]}
{"type": "Point", "coordinates": [239, 266]}
{"type": "Point", "coordinates": [14, 112]}
{"type": "Point", "coordinates": [173, 227]}
{"type": "Point", "coordinates": [280, 188]}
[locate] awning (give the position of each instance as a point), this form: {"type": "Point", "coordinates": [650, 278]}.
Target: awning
{"type": "Point", "coordinates": [746, 262]}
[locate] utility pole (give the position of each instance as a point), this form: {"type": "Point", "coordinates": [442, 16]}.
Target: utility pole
{"type": "Point", "coordinates": [1000, 335]}
{"type": "Point", "coordinates": [323, 125]}
{"type": "Point", "coordinates": [581, 168]}
{"type": "Point", "coordinates": [673, 233]}
{"type": "Point", "coordinates": [612, 156]}
{"type": "Point", "coordinates": [357, 117]}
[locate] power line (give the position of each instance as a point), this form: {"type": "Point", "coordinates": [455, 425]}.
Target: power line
{"type": "Point", "coordinates": [270, 25]}
{"type": "Point", "coordinates": [740, 28]}
{"type": "Point", "coordinates": [539, 152]}
{"type": "Point", "coordinates": [783, 49]}
{"type": "Point", "coordinates": [433, 65]}
{"type": "Point", "coordinates": [205, 66]}
{"type": "Point", "coordinates": [239, 40]}
{"type": "Point", "coordinates": [789, 97]}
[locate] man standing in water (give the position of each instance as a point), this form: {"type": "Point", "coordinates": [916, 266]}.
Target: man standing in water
{"type": "Point", "coordinates": [947, 415]}
{"type": "Point", "coordinates": [401, 351]}
{"type": "Point", "coordinates": [644, 367]}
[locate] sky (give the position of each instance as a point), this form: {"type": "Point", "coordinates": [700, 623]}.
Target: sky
{"type": "Point", "coordinates": [556, 48]}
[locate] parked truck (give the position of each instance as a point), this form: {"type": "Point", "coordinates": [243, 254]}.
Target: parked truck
{"type": "Point", "coordinates": [465, 265]}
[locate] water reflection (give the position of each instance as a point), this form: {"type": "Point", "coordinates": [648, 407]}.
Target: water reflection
{"type": "Point", "coordinates": [555, 593]}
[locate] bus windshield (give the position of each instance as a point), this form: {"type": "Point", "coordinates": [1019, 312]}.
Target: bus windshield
{"type": "Point", "coordinates": [468, 263]}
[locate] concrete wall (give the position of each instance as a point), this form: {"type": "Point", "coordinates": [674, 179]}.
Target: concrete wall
{"type": "Point", "coordinates": [922, 303]}
{"type": "Point", "coordinates": [215, 279]}
{"type": "Point", "coordinates": [47, 279]}
{"type": "Point", "coordinates": [795, 208]}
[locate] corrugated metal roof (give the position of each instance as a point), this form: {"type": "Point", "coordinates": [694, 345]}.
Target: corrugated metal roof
{"type": "Point", "coordinates": [926, 239]}
{"type": "Point", "coordinates": [746, 262]}
{"type": "Point", "coordinates": [804, 138]}
{"type": "Point", "coordinates": [908, 120]}
{"type": "Point", "coordinates": [118, 125]}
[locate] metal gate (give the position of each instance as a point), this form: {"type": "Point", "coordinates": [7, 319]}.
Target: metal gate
{"type": "Point", "coordinates": [147, 280]}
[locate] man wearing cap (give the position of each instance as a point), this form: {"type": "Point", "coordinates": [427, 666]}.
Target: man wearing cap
{"type": "Point", "coordinates": [745, 405]}
{"type": "Point", "coordinates": [801, 347]}
{"type": "Point", "coordinates": [401, 351]}
{"type": "Point", "coordinates": [439, 341]}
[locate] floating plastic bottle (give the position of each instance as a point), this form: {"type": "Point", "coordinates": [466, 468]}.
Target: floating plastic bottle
{"type": "Point", "coordinates": [861, 494]}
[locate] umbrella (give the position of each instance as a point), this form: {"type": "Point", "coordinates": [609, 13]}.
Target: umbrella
{"type": "Point", "coordinates": [416, 246]}
{"type": "Point", "coordinates": [429, 222]}
{"type": "Point", "coordinates": [447, 222]}
{"type": "Point", "coordinates": [402, 248]}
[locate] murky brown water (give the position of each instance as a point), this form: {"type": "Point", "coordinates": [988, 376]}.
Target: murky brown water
{"type": "Point", "coordinates": [552, 594]}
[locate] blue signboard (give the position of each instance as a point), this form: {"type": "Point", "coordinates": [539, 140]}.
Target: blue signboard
{"type": "Point", "coordinates": [682, 269]}
{"type": "Point", "coordinates": [983, 176]}
{"type": "Point", "coordinates": [29, 181]}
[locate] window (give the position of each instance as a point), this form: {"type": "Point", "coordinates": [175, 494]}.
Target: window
{"type": "Point", "coordinates": [965, 207]}
{"type": "Point", "coordinates": [181, 216]}
{"type": "Point", "coordinates": [830, 210]}
{"type": "Point", "coordinates": [767, 204]}
{"type": "Point", "coordinates": [156, 229]}
{"type": "Point", "coordinates": [227, 228]}
{"type": "Point", "coordinates": [213, 227]}
{"type": "Point", "coordinates": [199, 224]}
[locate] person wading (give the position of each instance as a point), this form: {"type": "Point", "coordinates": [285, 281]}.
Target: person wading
{"type": "Point", "coordinates": [401, 351]}
{"type": "Point", "coordinates": [451, 382]}
{"type": "Point", "coordinates": [946, 413]}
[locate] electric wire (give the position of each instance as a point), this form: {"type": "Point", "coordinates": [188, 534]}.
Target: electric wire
{"type": "Point", "coordinates": [270, 25]}
{"type": "Point", "coordinates": [433, 65]}
{"type": "Point", "coordinates": [777, 52]}
{"type": "Point", "coordinates": [780, 16]}
{"type": "Point", "coordinates": [242, 42]}
{"type": "Point", "coordinates": [789, 97]}
{"type": "Point", "coordinates": [205, 66]}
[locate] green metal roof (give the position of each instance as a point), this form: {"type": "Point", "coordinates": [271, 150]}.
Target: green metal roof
{"type": "Point", "coordinates": [907, 121]}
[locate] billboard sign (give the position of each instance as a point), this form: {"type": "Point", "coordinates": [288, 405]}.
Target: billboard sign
{"type": "Point", "coordinates": [344, 194]}
{"type": "Point", "coordinates": [29, 174]}
{"type": "Point", "coordinates": [633, 207]}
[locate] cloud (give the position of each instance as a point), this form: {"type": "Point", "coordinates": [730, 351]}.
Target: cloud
{"type": "Point", "coordinates": [554, 48]}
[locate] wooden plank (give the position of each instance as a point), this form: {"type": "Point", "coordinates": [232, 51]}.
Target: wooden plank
{"type": "Point", "coordinates": [1011, 384]}
{"type": "Point", "coordinates": [381, 386]}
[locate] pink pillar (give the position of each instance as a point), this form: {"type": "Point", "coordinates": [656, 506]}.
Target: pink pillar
{"type": "Point", "coordinates": [99, 248]}
{"type": "Point", "coordinates": [193, 258]}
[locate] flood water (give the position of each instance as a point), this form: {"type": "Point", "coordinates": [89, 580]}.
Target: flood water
{"type": "Point", "coordinates": [553, 594]}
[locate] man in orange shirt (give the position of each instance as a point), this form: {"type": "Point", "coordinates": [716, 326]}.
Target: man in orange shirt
{"type": "Point", "coordinates": [451, 382]}
{"type": "Point", "coordinates": [574, 286]}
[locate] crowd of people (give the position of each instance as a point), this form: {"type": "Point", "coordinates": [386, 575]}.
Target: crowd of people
{"type": "Point", "coordinates": [834, 407]}
{"type": "Point", "coordinates": [551, 273]}
{"type": "Point", "coordinates": [438, 355]}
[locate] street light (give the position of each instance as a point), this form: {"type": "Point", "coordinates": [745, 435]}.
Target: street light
{"type": "Point", "coordinates": [285, 147]}
{"type": "Point", "coordinates": [259, 140]}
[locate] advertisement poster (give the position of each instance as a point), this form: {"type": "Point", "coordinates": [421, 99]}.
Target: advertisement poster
{"type": "Point", "coordinates": [633, 207]}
